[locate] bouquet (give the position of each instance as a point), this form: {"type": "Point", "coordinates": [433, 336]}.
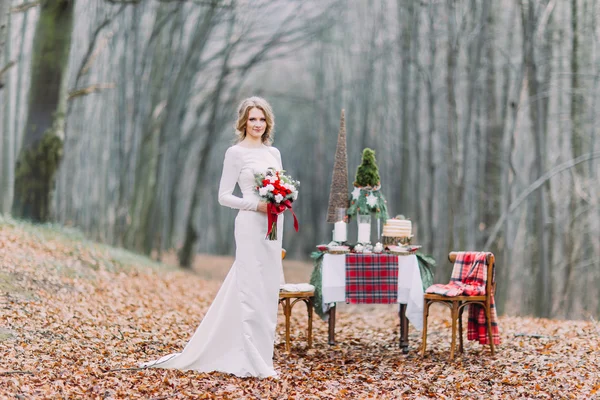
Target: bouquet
{"type": "Point", "coordinates": [279, 191]}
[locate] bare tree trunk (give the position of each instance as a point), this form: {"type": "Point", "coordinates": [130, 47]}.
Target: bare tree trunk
{"type": "Point", "coordinates": [146, 224]}
{"type": "Point", "coordinates": [509, 115]}
{"type": "Point", "coordinates": [537, 115]}
{"type": "Point", "coordinates": [42, 148]}
{"type": "Point", "coordinates": [186, 254]}
{"type": "Point", "coordinates": [432, 153]}
{"type": "Point", "coordinates": [577, 103]}
{"type": "Point", "coordinates": [492, 172]}
{"type": "Point", "coordinates": [415, 206]}
{"type": "Point", "coordinates": [405, 14]}
{"type": "Point", "coordinates": [550, 228]}
{"type": "Point", "coordinates": [366, 89]}
{"type": "Point", "coordinates": [146, 168]}
{"type": "Point", "coordinates": [572, 241]}
{"type": "Point", "coordinates": [320, 131]}
{"type": "Point", "coordinates": [7, 144]}
{"type": "Point", "coordinates": [593, 165]}
{"type": "Point", "coordinates": [454, 237]}
{"type": "Point", "coordinates": [470, 154]}
{"type": "Point", "coordinates": [170, 133]}
{"type": "Point", "coordinates": [21, 73]}
{"type": "Point", "coordinates": [4, 31]}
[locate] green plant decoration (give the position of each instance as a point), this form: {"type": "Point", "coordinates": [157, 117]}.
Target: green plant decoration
{"type": "Point", "coordinates": [366, 198]}
{"type": "Point", "coordinates": [367, 173]}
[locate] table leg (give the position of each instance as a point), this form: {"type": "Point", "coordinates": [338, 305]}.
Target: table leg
{"type": "Point", "coordinates": [403, 328]}
{"type": "Point", "coordinates": [331, 313]}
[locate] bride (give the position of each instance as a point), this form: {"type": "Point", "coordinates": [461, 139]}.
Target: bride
{"type": "Point", "coordinates": [237, 333]}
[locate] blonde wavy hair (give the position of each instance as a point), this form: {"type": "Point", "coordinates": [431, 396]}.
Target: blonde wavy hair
{"type": "Point", "coordinates": [244, 109]}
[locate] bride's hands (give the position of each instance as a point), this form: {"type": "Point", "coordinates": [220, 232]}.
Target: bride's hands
{"type": "Point", "coordinates": [262, 207]}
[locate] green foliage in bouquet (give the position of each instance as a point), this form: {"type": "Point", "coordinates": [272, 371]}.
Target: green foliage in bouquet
{"type": "Point", "coordinates": [367, 173]}
{"type": "Point", "coordinates": [366, 197]}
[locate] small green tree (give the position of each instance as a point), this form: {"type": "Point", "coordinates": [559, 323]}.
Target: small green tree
{"type": "Point", "coordinates": [366, 197]}
{"type": "Point", "coordinates": [367, 173]}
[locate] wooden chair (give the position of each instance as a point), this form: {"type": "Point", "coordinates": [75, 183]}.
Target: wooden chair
{"type": "Point", "coordinates": [457, 305]}
{"type": "Point", "coordinates": [288, 299]}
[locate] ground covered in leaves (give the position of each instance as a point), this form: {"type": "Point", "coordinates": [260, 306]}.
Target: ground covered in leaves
{"type": "Point", "coordinates": [76, 318]}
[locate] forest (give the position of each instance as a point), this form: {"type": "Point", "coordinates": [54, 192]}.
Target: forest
{"type": "Point", "coordinates": [115, 116]}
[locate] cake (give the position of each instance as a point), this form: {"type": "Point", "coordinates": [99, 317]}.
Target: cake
{"type": "Point", "coordinates": [338, 249]}
{"type": "Point", "coordinates": [397, 228]}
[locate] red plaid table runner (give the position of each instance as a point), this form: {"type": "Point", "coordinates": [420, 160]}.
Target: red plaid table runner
{"type": "Point", "coordinates": [469, 277]}
{"type": "Point", "coordinates": [371, 278]}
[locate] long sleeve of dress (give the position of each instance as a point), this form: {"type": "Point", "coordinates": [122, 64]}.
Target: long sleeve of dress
{"type": "Point", "coordinates": [277, 155]}
{"type": "Point", "coordinates": [232, 166]}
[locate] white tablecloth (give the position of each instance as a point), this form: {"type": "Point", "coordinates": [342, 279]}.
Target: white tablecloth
{"type": "Point", "coordinates": [410, 287]}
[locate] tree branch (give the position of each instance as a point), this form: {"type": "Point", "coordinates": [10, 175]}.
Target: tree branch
{"type": "Point", "coordinates": [24, 7]}
{"type": "Point", "coordinates": [123, 1]}
{"type": "Point", "coordinates": [212, 3]}
{"type": "Point", "coordinates": [87, 59]}
{"type": "Point", "coordinates": [89, 90]}
{"type": "Point", "coordinates": [6, 68]}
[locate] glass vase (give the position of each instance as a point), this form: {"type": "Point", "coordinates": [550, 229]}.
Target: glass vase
{"type": "Point", "coordinates": [340, 226]}
{"type": "Point", "coordinates": [364, 228]}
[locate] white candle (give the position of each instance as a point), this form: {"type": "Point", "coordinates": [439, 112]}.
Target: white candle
{"type": "Point", "coordinates": [340, 232]}
{"type": "Point", "coordinates": [364, 233]}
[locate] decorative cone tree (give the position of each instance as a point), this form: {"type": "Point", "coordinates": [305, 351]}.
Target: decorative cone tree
{"type": "Point", "coordinates": [338, 193]}
{"type": "Point", "coordinates": [366, 198]}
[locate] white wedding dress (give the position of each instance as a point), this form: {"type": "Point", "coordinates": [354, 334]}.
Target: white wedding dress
{"type": "Point", "coordinates": [237, 333]}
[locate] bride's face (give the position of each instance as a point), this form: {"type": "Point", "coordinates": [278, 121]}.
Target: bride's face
{"type": "Point", "coordinates": [256, 125]}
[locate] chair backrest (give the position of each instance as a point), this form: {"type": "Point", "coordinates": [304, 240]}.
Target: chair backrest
{"type": "Point", "coordinates": [490, 286]}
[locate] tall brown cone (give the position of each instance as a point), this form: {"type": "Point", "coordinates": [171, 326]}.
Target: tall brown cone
{"type": "Point", "coordinates": [338, 193]}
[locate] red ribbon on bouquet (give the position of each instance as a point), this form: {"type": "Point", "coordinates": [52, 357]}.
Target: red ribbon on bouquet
{"type": "Point", "coordinates": [273, 211]}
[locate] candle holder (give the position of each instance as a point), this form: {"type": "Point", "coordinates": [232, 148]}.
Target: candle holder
{"type": "Point", "coordinates": [364, 228]}
{"type": "Point", "coordinates": [340, 226]}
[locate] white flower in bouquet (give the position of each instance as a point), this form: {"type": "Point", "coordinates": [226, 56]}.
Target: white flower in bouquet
{"type": "Point", "coordinates": [263, 191]}
{"type": "Point", "coordinates": [278, 198]}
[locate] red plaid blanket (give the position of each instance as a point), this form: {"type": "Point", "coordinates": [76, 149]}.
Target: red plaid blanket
{"type": "Point", "coordinates": [469, 277]}
{"type": "Point", "coordinates": [371, 278]}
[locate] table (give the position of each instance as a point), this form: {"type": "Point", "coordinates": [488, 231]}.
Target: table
{"type": "Point", "coordinates": [406, 285]}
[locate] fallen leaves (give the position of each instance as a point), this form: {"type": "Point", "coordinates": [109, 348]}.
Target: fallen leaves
{"type": "Point", "coordinates": [76, 320]}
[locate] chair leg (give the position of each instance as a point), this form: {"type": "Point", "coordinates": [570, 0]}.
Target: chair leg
{"type": "Point", "coordinates": [488, 317]}
{"type": "Point", "coordinates": [454, 320]}
{"type": "Point", "coordinates": [287, 311]}
{"type": "Point", "coordinates": [309, 304]}
{"type": "Point", "coordinates": [425, 314]}
{"type": "Point", "coordinates": [460, 331]}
